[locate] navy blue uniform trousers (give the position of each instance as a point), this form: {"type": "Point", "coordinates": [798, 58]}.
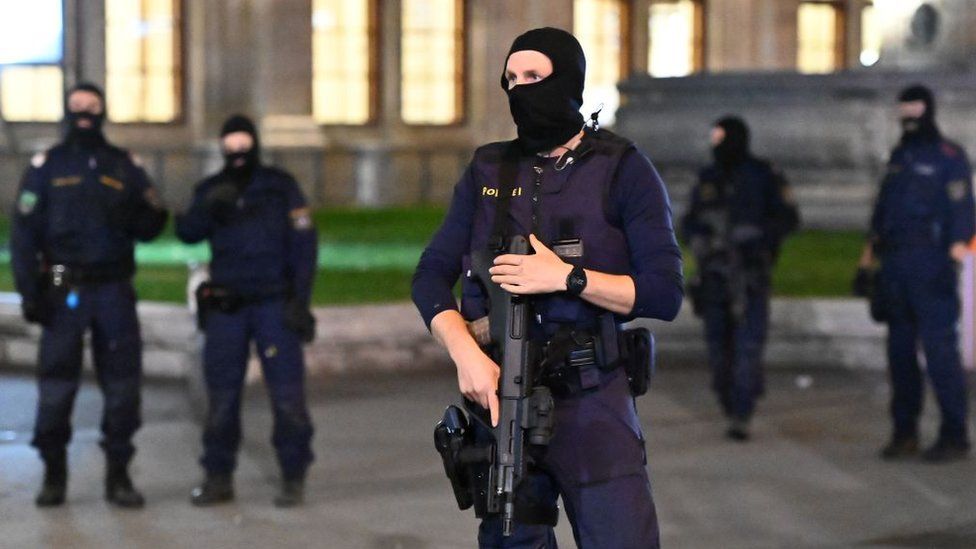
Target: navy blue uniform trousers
{"type": "Point", "coordinates": [109, 311]}
{"type": "Point", "coordinates": [735, 348]}
{"type": "Point", "coordinates": [920, 289]}
{"type": "Point", "coordinates": [225, 355]}
{"type": "Point", "coordinates": [596, 462]}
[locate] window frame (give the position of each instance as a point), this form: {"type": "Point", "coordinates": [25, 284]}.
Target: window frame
{"type": "Point", "coordinates": [461, 75]}
{"type": "Point", "coordinates": [626, 40]}
{"type": "Point", "coordinates": [864, 6]}
{"type": "Point", "coordinates": [181, 86]}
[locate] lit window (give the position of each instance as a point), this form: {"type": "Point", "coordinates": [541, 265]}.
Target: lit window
{"type": "Point", "coordinates": [343, 35]}
{"type": "Point", "coordinates": [870, 36]}
{"type": "Point", "coordinates": [142, 60]}
{"type": "Point", "coordinates": [599, 26]}
{"type": "Point", "coordinates": [32, 93]}
{"type": "Point", "coordinates": [675, 38]}
{"type": "Point", "coordinates": [819, 38]}
{"type": "Point", "coordinates": [31, 44]}
{"type": "Point", "coordinates": [431, 49]}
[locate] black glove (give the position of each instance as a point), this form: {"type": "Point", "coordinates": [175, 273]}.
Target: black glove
{"type": "Point", "coordinates": [861, 286]}
{"type": "Point", "coordinates": [36, 312]}
{"type": "Point", "coordinates": [221, 201]}
{"type": "Point", "coordinates": [299, 319]}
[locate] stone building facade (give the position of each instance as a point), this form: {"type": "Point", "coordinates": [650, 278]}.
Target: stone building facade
{"type": "Point", "coordinates": [256, 57]}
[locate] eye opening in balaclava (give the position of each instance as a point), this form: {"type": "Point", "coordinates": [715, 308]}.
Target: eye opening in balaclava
{"type": "Point", "coordinates": [546, 113]}
{"type": "Point", "coordinates": [84, 136]}
{"type": "Point", "coordinates": [251, 157]}
{"type": "Point", "coordinates": [921, 128]}
{"type": "Point", "coordinates": [734, 147]}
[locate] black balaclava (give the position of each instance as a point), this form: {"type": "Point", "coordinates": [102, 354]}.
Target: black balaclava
{"type": "Point", "coordinates": [547, 112]}
{"type": "Point", "coordinates": [84, 137]}
{"type": "Point", "coordinates": [734, 148]}
{"type": "Point", "coordinates": [922, 128]}
{"type": "Point", "coordinates": [241, 174]}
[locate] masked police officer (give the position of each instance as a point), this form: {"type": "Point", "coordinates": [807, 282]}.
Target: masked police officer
{"type": "Point", "coordinates": [922, 221]}
{"type": "Point", "coordinates": [263, 247]}
{"type": "Point", "coordinates": [740, 211]}
{"type": "Point", "coordinates": [598, 191]}
{"type": "Point", "coordinates": [81, 206]}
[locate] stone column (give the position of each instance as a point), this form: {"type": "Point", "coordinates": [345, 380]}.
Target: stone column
{"type": "Point", "coordinates": [282, 51]}
{"type": "Point", "coordinates": [229, 59]}
{"type": "Point", "coordinates": [639, 42]}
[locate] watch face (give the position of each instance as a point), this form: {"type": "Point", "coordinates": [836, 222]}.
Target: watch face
{"type": "Point", "coordinates": [577, 281]}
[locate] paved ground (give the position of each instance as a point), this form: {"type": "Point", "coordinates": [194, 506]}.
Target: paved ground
{"type": "Point", "coordinates": [810, 479]}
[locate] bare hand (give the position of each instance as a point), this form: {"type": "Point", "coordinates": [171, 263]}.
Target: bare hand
{"type": "Point", "coordinates": [958, 252]}
{"type": "Point", "coordinates": [541, 273]}
{"type": "Point", "coordinates": [478, 380]}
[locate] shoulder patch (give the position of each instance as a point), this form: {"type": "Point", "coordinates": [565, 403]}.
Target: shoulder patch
{"type": "Point", "coordinates": [27, 202]}
{"type": "Point", "coordinates": [301, 219]}
{"type": "Point", "coordinates": [136, 159]}
{"type": "Point", "coordinates": [949, 149]}
{"type": "Point", "coordinates": [38, 159]}
{"type": "Point", "coordinates": [958, 190]}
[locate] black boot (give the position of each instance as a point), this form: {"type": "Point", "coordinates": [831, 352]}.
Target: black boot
{"type": "Point", "coordinates": [292, 493]}
{"type": "Point", "coordinates": [55, 482]}
{"type": "Point", "coordinates": [738, 429]}
{"type": "Point", "coordinates": [214, 490]}
{"type": "Point", "coordinates": [946, 450]}
{"type": "Point", "coordinates": [900, 447]}
{"type": "Point", "coordinates": [119, 490]}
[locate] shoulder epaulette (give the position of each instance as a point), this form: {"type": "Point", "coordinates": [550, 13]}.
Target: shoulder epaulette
{"type": "Point", "coordinates": [950, 149]}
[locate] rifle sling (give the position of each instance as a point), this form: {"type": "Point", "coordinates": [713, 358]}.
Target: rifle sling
{"type": "Point", "coordinates": [507, 175]}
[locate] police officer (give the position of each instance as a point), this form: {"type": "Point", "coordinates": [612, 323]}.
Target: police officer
{"type": "Point", "coordinates": [598, 191]}
{"type": "Point", "coordinates": [739, 213]}
{"type": "Point", "coordinates": [80, 207]}
{"type": "Point", "coordinates": [263, 247]}
{"type": "Point", "coordinates": [922, 220]}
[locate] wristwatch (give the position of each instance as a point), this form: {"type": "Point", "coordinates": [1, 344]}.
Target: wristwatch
{"type": "Point", "coordinates": [576, 281]}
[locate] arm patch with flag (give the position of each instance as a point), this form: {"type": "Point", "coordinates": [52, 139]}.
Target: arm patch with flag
{"type": "Point", "coordinates": [301, 219]}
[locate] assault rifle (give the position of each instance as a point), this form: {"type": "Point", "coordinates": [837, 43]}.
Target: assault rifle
{"type": "Point", "coordinates": [525, 410]}
{"type": "Point", "coordinates": [722, 258]}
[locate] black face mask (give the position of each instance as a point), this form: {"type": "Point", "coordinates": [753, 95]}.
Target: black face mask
{"type": "Point", "coordinates": [85, 137]}
{"type": "Point", "coordinates": [240, 165]}
{"type": "Point", "coordinates": [922, 128]}
{"type": "Point", "coordinates": [544, 114]}
{"type": "Point", "coordinates": [727, 154]}
{"type": "Point", "coordinates": [734, 147]}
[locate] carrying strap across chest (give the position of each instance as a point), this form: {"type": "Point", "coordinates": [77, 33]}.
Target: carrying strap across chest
{"type": "Point", "coordinates": [507, 175]}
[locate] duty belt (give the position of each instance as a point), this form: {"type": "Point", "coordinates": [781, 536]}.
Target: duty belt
{"type": "Point", "coordinates": [909, 242]}
{"type": "Point", "coordinates": [65, 275]}
{"type": "Point", "coordinates": [577, 360]}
